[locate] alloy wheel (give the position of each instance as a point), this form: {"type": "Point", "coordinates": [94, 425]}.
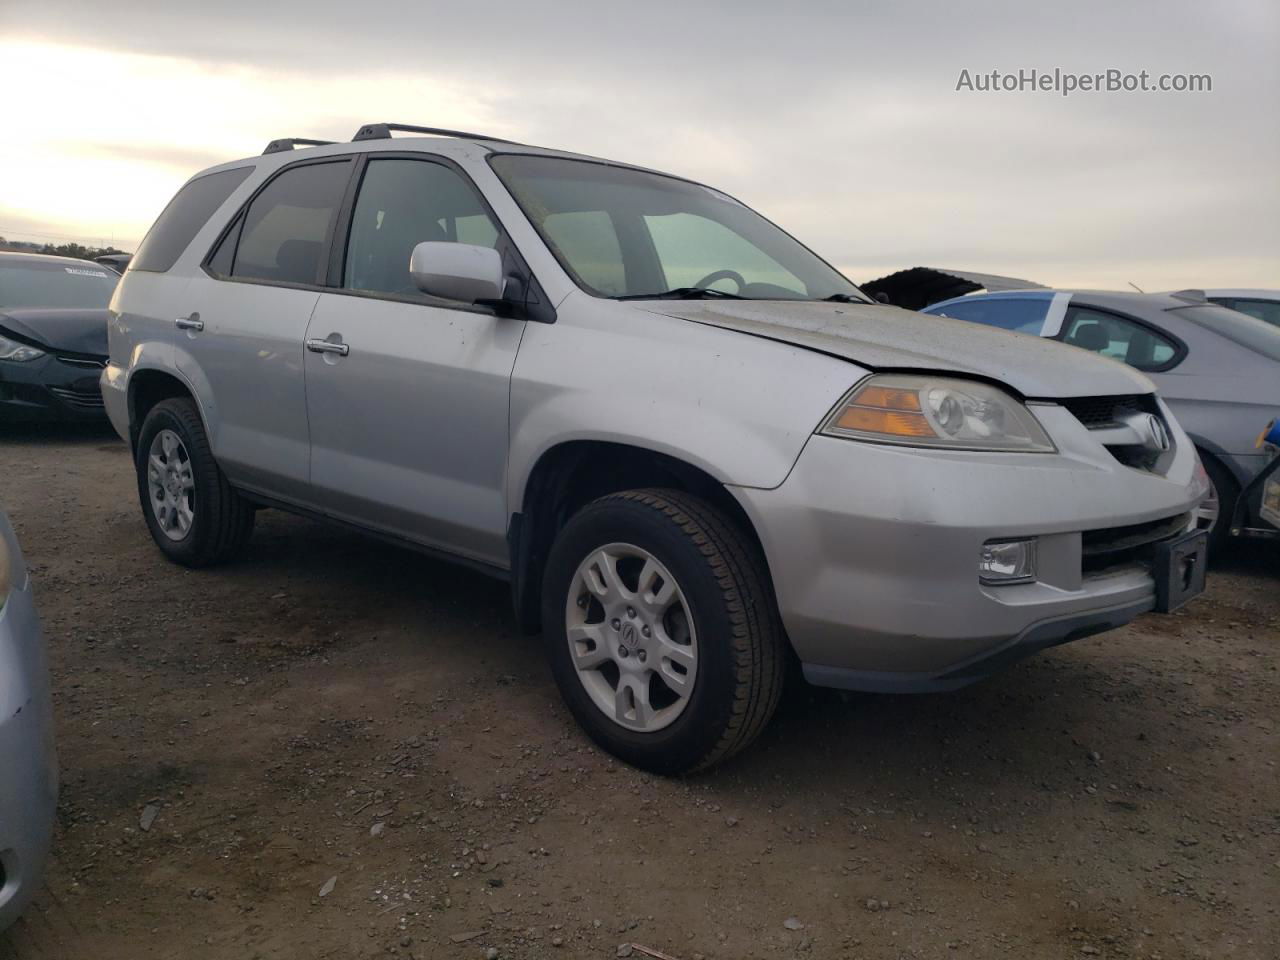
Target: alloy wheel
{"type": "Point", "coordinates": [631, 637]}
{"type": "Point", "coordinates": [171, 484]}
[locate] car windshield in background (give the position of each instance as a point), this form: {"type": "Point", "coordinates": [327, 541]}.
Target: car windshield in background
{"type": "Point", "coordinates": [47, 283]}
{"type": "Point", "coordinates": [1257, 335]}
{"type": "Point", "coordinates": [621, 232]}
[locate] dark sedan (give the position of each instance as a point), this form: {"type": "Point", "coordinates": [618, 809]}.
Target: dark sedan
{"type": "Point", "coordinates": [53, 337]}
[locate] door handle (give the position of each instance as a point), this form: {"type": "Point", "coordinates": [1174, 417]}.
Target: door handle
{"type": "Point", "coordinates": [328, 346]}
{"type": "Point", "coordinates": [189, 323]}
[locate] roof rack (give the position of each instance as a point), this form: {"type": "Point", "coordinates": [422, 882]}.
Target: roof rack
{"type": "Point", "coordinates": [288, 143]}
{"type": "Point", "coordinates": [382, 131]}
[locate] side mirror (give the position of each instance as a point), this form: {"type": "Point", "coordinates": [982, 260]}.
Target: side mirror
{"type": "Point", "coordinates": [457, 271]}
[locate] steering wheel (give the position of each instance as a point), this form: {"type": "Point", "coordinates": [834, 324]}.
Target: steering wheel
{"type": "Point", "coordinates": [719, 275]}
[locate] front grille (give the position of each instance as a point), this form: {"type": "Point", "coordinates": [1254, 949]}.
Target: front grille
{"type": "Point", "coordinates": [81, 399]}
{"type": "Point", "coordinates": [1120, 546]}
{"type": "Point", "coordinates": [1098, 413]}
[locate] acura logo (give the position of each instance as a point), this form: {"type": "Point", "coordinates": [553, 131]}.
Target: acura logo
{"type": "Point", "coordinates": [1158, 434]}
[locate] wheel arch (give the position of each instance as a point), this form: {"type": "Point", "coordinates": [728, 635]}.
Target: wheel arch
{"type": "Point", "coordinates": [571, 474]}
{"type": "Point", "coordinates": [149, 386]}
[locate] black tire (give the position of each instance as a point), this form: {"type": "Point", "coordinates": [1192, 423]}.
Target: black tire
{"type": "Point", "coordinates": [1228, 493]}
{"type": "Point", "coordinates": [741, 653]}
{"type": "Point", "coordinates": [223, 520]}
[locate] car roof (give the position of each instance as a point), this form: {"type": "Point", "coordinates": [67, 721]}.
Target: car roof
{"type": "Point", "coordinates": [1037, 293]}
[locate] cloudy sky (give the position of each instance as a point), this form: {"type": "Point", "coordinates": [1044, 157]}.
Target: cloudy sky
{"type": "Point", "coordinates": [839, 120]}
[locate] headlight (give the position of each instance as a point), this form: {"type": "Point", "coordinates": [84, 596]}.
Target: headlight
{"type": "Point", "coordinates": [12, 350]}
{"type": "Point", "coordinates": [923, 411]}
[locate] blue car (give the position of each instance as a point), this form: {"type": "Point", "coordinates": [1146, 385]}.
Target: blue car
{"type": "Point", "coordinates": [1217, 369]}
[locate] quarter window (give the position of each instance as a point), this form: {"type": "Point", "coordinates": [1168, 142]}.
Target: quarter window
{"type": "Point", "coordinates": [1114, 336]}
{"type": "Point", "coordinates": [403, 203]}
{"type": "Point", "coordinates": [281, 237]}
{"type": "Point", "coordinates": [182, 219]}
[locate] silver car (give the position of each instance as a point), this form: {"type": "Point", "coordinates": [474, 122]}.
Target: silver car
{"type": "Point", "coordinates": [28, 769]}
{"type": "Point", "coordinates": [694, 448]}
{"type": "Point", "coordinates": [1218, 369]}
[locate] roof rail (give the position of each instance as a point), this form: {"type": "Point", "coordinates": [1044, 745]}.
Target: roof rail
{"type": "Point", "coordinates": [288, 143]}
{"type": "Point", "coordinates": [382, 131]}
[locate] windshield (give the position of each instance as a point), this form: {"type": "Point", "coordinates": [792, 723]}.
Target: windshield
{"type": "Point", "coordinates": [1250, 332]}
{"type": "Point", "coordinates": [626, 233]}
{"type": "Point", "coordinates": [50, 283]}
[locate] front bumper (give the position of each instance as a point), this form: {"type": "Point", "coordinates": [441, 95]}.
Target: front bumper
{"type": "Point", "coordinates": [874, 549]}
{"type": "Point", "coordinates": [28, 766]}
{"type": "Point", "coordinates": [51, 388]}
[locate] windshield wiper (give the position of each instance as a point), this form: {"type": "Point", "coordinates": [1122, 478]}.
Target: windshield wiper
{"type": "Point", "coordinates": [684, 293]}
{"type": "Point", "coordinates": [844, 298]}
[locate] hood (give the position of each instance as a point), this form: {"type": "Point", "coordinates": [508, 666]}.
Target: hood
{"type": "Point", "coordinates": [887, 338]}
{"type": "Point", "coordinates": [65, 331]}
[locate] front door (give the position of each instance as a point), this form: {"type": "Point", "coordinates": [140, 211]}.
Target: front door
{"type": "Point", "coordinates": [408, 405]}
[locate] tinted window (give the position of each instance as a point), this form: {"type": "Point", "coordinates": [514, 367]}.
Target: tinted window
{"type": "Point", "coordinates": [403, 203]}
{"type": "Point", "coordinates": [182, 219]}
{"type": "Point", "coordinates": [1268, 311]}
{"type": "Point", "coordinates": [55, 283]}
{"type": "Point", "coordinates": [663, 233]}
{"type": "Point", "coordinates": [1116, 337]}
{"type": "Point", "coordinates": [1022, 315]}
{"type": "Point", "coordinates": [692, 248]}
{"type": "Point", "coordinates": [284, 230]}
{"type": "Point", "coordinates": [587, 239]}
{"type": "Point", "coordinates": [1247, 331]}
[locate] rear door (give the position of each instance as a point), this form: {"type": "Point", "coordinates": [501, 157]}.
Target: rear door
{"type": "Point", "coordinates": [249, 319]}
{"type": "Point", "coordinates": [409, 422]}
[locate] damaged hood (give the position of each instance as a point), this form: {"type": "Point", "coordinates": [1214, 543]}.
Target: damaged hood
{"type": "Point", "coordinates": [888, 338]}
{"type": "Point", "coordinates": [77, 331]}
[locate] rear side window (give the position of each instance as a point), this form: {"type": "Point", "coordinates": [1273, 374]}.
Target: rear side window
{"type": "Point", "coordinates": [1023, 315]}
{"type": "Point", "coordinates": [1118, 338]}
{"type": "Point", "coordinates": [281, 236]}
{"type": "Point", "coordinates": [182, 219]}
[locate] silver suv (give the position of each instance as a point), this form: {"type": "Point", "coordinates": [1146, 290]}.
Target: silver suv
{"type": "Point", "coordinates": [692, 446]}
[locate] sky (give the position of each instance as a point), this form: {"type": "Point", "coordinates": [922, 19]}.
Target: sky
{"type": "Point", "coordinates": [841, 121]}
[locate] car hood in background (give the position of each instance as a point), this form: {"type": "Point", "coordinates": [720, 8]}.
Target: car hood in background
{"type": "Point", "coordinates": [887, 338]}
{"type": "Point", "coordinates": [81, 332]}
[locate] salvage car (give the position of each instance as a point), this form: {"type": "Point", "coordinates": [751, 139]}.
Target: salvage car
{"type": "Point", "coordinates": [53, 337]}
{"type": "Point", "coordinates": [29, 784]}
{"type": "Point", "coordinates": [1218, 370]}
{"type": "Point", "coordinates": [1263, 304]}
{"type": "Point", "coordinates": [692, 446]}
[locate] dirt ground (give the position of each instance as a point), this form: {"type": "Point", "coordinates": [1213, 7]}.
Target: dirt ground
{"type": "Point", "coordinates": [354, 754]}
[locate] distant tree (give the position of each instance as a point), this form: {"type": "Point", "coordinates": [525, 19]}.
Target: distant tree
{"type": "Point", "coordinates": [70, 249]}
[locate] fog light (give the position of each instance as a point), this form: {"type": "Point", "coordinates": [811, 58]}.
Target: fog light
{"type": "Point", "coordinates": [1007, 561]}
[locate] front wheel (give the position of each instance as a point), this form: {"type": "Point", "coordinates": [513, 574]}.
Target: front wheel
{"type": "Point", "coordinates": [662, 630]}
{"type": "Point", "coordinates": [194, 515]}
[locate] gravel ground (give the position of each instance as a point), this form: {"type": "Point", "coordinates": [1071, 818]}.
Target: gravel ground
{"type": "Point", "coordinates": [337, 749]}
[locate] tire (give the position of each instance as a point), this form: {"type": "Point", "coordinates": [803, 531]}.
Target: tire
{"type": "Point", "coordinates": [219, 519]}
{"type": "Point", "coordinates": [1227, 492]}
{"type": "Point", "coordinates": [724, 607]}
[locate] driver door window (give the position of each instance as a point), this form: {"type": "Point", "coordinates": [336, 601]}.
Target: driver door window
{"type": "Point", "coordinates": [403, 203]}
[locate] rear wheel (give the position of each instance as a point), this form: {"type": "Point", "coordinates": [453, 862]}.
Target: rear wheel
{"type": "Point", "coordinates": [194, 515]}
{"type": "Point", "coordinates": [661, 630]}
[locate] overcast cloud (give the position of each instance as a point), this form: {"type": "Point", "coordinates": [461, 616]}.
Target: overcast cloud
{"type": "Point", "coordinates": [839, 120]}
